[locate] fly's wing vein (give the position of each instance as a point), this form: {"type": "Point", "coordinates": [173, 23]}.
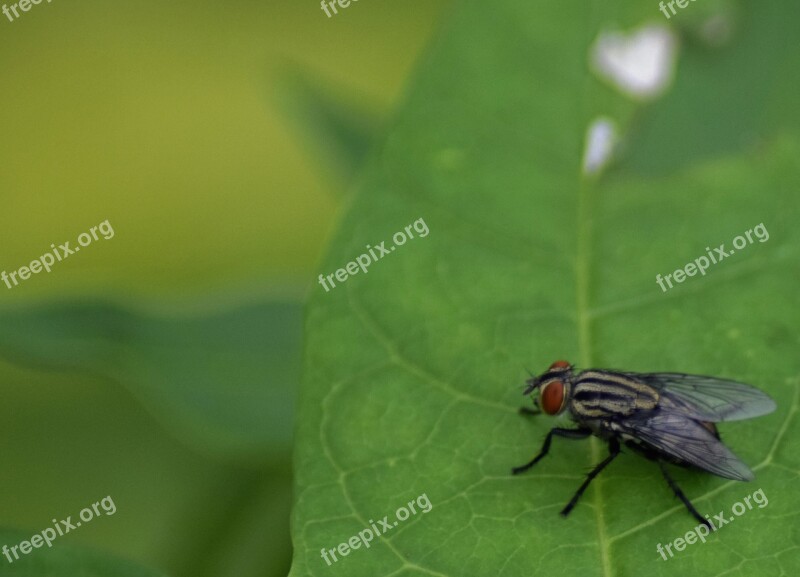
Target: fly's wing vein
{"type": "Point", "coordinates": [708, 398]}
{"type": "Point", "coordinates": [683, 438]}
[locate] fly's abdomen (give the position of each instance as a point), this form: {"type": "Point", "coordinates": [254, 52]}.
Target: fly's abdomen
{"type": "Point", "coordinates": [601, 394]}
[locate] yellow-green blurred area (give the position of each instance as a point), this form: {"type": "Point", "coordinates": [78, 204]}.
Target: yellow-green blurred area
{"type": "Point", "coordinates": [159, 367]}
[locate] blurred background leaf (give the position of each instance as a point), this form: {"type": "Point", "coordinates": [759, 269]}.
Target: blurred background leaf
{"type": "Point", "coordinates": [68, 562]}
{"type": "Point", "coordinates": [337, 131]}
{"type": "Point", "coordinates": [203, 376]}
{"type": "Point", "coordinates": [159, 367]}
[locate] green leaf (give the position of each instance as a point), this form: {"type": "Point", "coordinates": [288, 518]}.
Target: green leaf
{"type": "Point", "coordinates": [65, 561]}
{"type": "Point", "coordinates": [225, 382]}
{"type": "Point", "coordinates": [413, 372]}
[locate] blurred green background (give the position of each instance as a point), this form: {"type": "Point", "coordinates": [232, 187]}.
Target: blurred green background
{"type": "Point", "coordinates": [159, 367]}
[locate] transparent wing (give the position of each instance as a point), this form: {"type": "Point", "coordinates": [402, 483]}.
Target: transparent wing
{"type": "Point", "coordinates": [708, 398]}
{"type": "Point", "coordinates": [681, 437]}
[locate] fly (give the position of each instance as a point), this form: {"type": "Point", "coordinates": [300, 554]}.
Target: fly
{"type": "Point", "coordinates": [665, 417]}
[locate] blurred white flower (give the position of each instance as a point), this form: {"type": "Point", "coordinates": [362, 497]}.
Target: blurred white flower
{"type": "Point", "coordinates": [601, 137]}
{"type": "Point", "coordinates": [641, 64]}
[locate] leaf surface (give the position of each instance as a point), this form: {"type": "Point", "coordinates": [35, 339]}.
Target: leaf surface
{"type": "Point", "coordinates": [413, 372]}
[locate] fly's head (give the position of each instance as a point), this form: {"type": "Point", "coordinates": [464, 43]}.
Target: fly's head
{"type": "Point", "coordinates": [551, 389]}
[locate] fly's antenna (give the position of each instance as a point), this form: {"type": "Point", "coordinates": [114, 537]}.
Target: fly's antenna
{"type": "Point", "coordinates": [532, 383]}
{"type": "Point", "coordinates": [529, 384]}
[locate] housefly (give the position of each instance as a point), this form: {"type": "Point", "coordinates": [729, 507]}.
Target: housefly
{"type": "Point", "coordinates": [665, 417]}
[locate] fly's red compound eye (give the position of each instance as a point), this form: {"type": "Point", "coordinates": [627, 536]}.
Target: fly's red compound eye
{"type": "Point", "coordinates": [559, 365]}
{"type": "Point", "coordinates": [552, 397]}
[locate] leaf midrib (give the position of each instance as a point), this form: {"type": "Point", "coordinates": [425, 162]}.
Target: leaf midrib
{"type": "Point", "coordinates": [583, 319]}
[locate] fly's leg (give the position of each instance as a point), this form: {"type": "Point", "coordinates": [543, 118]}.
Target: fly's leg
{"type": "Point", "coordinates": [679, 494]}
{"type": "Point", "coordinates": [566, 433]}
{"type": "Point", "coordinates": [613, 451]}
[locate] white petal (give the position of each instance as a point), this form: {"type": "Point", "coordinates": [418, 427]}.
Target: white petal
{"type": "Point", "coordinates": [601, 136]}
{"type": "Point", "coordinates": [640, 64]}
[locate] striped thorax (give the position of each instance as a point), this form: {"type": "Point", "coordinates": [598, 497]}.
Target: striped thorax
{"type": "Point", "coordinates": [604, 394]}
